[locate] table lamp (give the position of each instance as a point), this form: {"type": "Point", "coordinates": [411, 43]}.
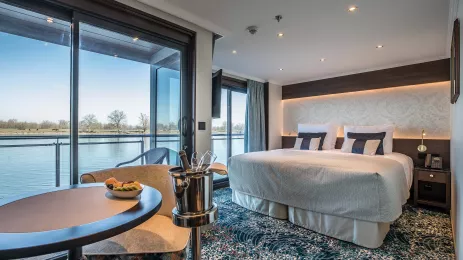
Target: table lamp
{"type": "Point", "coordinates": [422, 148]}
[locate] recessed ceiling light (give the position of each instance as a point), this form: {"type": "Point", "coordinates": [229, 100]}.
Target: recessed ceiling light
{"type": "Point", "coordinates": [322, 59]}
{"type": "Point", "coordinates": [281, 69]}
{"type": "Point", "coordinates": [49, 20]}
{"type": "Point", "coordinates": [379, 46]}
{"type": "Point", "coordinates": [135, 39]}
{"type": "Point", "coordinates": [280, 35]}
{"type": "Point", "coordinates": [234, 51]}
{"type": "Point", "coordinates": [353, 8]}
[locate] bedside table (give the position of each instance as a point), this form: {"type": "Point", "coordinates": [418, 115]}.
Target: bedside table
{"type": "Point", "coordinates": [431, 187]}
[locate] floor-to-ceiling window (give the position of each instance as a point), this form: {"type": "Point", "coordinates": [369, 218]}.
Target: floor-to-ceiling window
{"type": "Point", "coordinates": [168, 114]}
{"type": "Point", "coordinates": [228, 130]}
{"type": "Point", "coordinates": [34, 100]}
{"type": "Point", "coordinates": [117, 74]}
{"type": "Point", "coordinates": [238, 118]}
{"type": "Point", "coordinates": [220, 130]}
{"type": "Point", "coordinates": [88, 95]}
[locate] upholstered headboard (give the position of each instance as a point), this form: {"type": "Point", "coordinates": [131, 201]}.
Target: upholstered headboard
{"type": "Point", "coordinates": [404, 146]}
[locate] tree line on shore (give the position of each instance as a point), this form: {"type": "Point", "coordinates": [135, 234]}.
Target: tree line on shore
{"type": "Point", "coordinates": [116, 120]}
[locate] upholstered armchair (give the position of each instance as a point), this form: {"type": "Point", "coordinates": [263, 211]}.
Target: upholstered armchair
{"type": "Point", "coordinates": [157, 238]}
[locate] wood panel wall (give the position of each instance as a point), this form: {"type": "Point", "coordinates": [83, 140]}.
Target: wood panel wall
{"type": "Point", "coordinates": [404, 146]}
{"type": "Point", "coordinates": [421, 73]}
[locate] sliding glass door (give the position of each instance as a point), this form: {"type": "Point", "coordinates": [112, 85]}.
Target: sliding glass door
{"type": "Point", "coordinates": [86, 95]}
{"type": "Point", "coordinates": [220, 131]}
{"type": "Point", "coordinates": [228, 130]}
{"type": "Point", "coordinates": [34, 100]}
{"type": "Point", "coordinates": [129, 98]}
{"type": "Point", "coordinates": [238, 118]}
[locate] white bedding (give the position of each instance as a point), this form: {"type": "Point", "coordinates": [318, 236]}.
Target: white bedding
{"type": "Point", "coordinates": [403, 159]}
{"type": "Point", "coordinates": [371, 188]}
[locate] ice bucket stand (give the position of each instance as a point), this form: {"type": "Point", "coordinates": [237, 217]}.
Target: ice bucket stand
{"type": "Point", "coordinates": [195, 221]}
{"type": "Point", "coordinates": [194, 206]}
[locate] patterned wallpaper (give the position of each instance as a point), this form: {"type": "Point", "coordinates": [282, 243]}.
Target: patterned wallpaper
{"type": "Point", "coordinates": [409, 108]}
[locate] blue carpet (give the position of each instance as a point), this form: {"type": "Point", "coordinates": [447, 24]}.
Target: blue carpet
{"type": "Point", "coordinates": [243, 234]}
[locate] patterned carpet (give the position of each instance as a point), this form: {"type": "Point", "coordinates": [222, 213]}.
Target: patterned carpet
{"type": "Point", "coordinates": [243, 234]}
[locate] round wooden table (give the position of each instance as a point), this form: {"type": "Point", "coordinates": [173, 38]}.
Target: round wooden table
{"type": "Point", "coordinates": [68, 218]}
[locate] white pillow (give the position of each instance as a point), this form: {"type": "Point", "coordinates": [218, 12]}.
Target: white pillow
{"type": "Point", "coordinates": [387, 141]}
{"type": "Point", "coordinates": [298, 143]}
{"type": "Point", "coordinates": [331, 133]}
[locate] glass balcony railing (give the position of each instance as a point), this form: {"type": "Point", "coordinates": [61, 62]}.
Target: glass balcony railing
{"type": "Point", "coordinates": [219, 146]}
{"type": "Point", "coordinates": [32, 163]}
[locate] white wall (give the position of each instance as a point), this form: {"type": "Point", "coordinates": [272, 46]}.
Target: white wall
{"type": "Point", "coordinates": [275, 122]}
{"type": "Point", "coordinates": [409, 108]}
{"type": "Point", "coordinates": [456, 151]}
{"type": "Point", "coordinates": [203, 71]}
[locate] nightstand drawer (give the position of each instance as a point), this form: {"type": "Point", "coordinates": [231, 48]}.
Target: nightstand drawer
{"type": "Point", "coordinates": [430, 176]}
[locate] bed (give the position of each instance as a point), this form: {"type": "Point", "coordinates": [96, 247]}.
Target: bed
{"type": "Point", "coordinates": [347, 196]}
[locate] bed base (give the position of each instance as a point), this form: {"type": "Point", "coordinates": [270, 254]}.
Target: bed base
{"type": "Point", "coordinates": [364, 233]}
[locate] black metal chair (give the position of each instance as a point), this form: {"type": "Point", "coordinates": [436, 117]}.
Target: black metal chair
{"type": "Point", "coordinates": [152, 156]}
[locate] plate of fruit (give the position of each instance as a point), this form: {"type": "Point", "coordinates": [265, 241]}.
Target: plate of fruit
{"type": "Point", "coordinates": [123, 189]}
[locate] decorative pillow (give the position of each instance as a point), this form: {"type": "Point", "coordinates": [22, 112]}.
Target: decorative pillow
{"type": "Point", "coordinates": [387, 142]}
{"type": "Point", "coordinates": [370, 136]}
{"type": "Point", "coordinates": [359, 146]}
{"type": "Point", "coordinates": [331, 133]}
{"type": "Point", "coordinates": [311, 144]}
{"type": "Point", "coordinates": [314, 135]}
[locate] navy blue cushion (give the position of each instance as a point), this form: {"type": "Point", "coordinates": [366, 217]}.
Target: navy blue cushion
{"type": "Point", "coordinates": [361, 138]}
{"type": "Point", "coordinates": [308, 136]}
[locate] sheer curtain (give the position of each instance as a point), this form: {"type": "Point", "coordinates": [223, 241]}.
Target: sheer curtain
{"type": "Point", "coordinates": [254, 134]}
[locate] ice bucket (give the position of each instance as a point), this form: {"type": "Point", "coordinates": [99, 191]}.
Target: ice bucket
{"type": "Point", "coordinates": [193, 190]}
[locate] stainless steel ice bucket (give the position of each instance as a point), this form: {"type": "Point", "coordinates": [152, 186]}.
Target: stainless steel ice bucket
{"type": "Point", "coordinates": [193, 190]}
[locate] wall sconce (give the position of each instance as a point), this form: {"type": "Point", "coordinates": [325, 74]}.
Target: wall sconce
{"type": "Point", "coordinates": [422, 148]}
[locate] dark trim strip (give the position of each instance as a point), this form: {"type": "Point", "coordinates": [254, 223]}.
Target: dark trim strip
{"type": "Point", "coordinates": [266, 106]}
{"type": "Point", "coordinates": [421, 73]}
{"type": "Point", "coordinates": [229, 123]}
{"type": "Point", "coordinates": [74, 112]}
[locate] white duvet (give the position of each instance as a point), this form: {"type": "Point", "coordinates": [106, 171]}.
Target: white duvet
{"type": "Point", "coordinates": [371, 188]}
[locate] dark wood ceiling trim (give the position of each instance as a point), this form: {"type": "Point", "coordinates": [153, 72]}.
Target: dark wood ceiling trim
{"type": "Point", "coordinates": [421, 73]}
{"type": "Point", "coordinates": [234, 83]}
{"type": "Point", "coordinates": [116, 11]}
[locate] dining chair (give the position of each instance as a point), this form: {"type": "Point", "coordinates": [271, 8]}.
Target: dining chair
{"type": "Point", "coordinates": [152, 156]}
{"type": "Point", "coordinates": [157, 238]}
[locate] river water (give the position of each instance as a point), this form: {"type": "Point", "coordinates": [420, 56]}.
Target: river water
{"type": "Point", "coordinates": [28, 169]}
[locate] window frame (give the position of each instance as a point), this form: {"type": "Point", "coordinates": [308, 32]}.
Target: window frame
{"type": "Point", "coordinates": [112, 15]}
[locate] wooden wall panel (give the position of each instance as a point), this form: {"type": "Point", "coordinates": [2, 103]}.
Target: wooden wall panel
{"type": "Point", "coordinates": [421, 73]}
{"type": "Point", "coordinates": [404, 146]}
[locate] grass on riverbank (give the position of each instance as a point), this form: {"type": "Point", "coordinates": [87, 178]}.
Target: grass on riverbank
{"type": "Point", "coordinates": [10, 131]}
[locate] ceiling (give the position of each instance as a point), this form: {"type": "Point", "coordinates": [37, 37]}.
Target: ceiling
{"type": "Point", "coordinates": [411, 31]}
